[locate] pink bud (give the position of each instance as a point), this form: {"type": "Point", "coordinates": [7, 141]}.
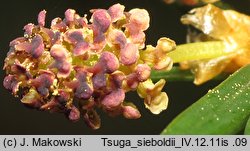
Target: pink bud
{"type": "Point", "coordinates": [10, 83]}
{"type": "Point", "coordinates": [129, 54]}
{"type": "Point", "coordinates": [74, 114]}
{"type": "Point", "coordinates": [70, 15]}
{"type": "Point", "coordinates": [58, 52]}
{"type": "Point", "coordinates": [28, 29]}
{"type": "Point", "coordinates": [116, 12]}
{"type": "Point", "coordinates": [17, 41]}
{"type": "Point", "coordinates": [114, 99]}
{"type": "Point", "coordinates": [58, 24]}
{"type": "Point", "coordinates": [143, 72]}
{"type": "Point", "coordinates": [41, 18]}
{"type": "Point", "coordinates": [130, 112]}
{"type": "Point", "coordinates": [101, 20]}
{"type": "Point", "coordinates": [139, 19]}
{"type": "Point", "coordinates": [109, 62]}
{"type": "Point", "coordinates": [117, 37]}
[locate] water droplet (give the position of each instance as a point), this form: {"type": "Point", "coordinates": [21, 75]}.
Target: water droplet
{"type": "Point", "coordinates": [243, 110]}
{"type": "Point", "coordinates": [217, 119]}
{"type": "Point", "coordinates": [238, 108]}
{"type": "Point", "coordinates": [202, 108]}
{"type": "Point", "coordinates": [230, 110]}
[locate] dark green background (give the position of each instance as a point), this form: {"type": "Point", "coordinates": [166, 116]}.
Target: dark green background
{"type": "Point", "coordinates": [17, 119]}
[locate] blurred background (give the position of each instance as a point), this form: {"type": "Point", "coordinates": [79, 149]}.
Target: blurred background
{"type": "Point", "coordinates": [17, 119]}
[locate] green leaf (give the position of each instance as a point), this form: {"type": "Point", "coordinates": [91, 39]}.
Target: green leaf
{"type": "Point", "coordinates": [199, 50]}
{"type": "Point", "coordinates": [223, 110]}
{"type": "Point", "coordinates": [247, 128]}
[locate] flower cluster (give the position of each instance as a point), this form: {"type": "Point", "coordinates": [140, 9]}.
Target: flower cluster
{"type": "Point", "coordinates": [76, 65]}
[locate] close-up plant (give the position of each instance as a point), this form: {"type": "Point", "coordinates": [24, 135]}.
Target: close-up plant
{"type": "Point", "coordinates": [89, 66]}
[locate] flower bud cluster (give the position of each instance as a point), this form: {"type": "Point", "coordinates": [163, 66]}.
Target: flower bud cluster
{"type": "Point", "coordinates": [77, 66]}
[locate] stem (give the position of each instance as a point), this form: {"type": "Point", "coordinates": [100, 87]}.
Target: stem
{"type": "Point", "coordinates": [198, 51]}
{"type": "Point", "coordinates": [176, 74]}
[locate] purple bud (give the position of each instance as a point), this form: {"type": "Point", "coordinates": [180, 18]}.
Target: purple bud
{"type": "Point", "coordinates": [17, 68]}
{"type": "Point", "coordinates": [109, 62]}
{"type": "Point", "coordinates": [99, 80]}
{"type": "Point", "coordinates": [114, 99]}
{"type": "Point", "coordinates": [117, 37]}
{"type": "Point", "coordinates": [129, 54]}
{"type": "Point", "coordinates": [10, 83]}
{"type": "Point", "coordinates": [116, 79]}
{"type": "Point", "coordinates": [74, 114]}
{"type": "Point", "coordinates": [92, 119]}
{"type": "Point", "coordinates": [43, 82]}
{"type": "Point", "coordinates": [101, 20]}
{"type": "Point", "coordinates": [142, 72]}
{"type": "Point", "coordinates": [41, 18]}
{"type": "Point", "coordinates": [81, 48]}
{"type": "Point", "coordinates": [59, 53]}
{"type": "Point", "coordinates": [57, 38]}
{"type": "Point", "coordinates": [130, 112]}
{"type": "Point", "coordinates": [64, 68]}
{"type": "Point", "coordinates": [116, 12]}
{"type": "Point", "coordinates": [73, 36]}
{"type": "Point", "coordinates": [83, 90]}
{"type": "Point", "coordinates": [35, 48]}
{"type": "Point", "coordinates": [62, 97]}
{"type": "Point", "coordinates": [80, 86]}
{"type": "Point", "coordinates": [47, 34]}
